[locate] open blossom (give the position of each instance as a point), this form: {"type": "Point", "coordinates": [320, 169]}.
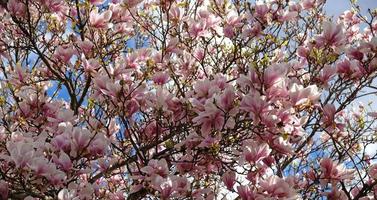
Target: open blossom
{"type": "Point", "coordinates": [55, 6]}
{"type": "Point", "coordinates": [255, 104]}
{"type": "Point", "coordinates": [254, 152]}
{"type": "Point", "coordinates": [21, 153]}
{"type": "Point", "coordinates": [233, 21]}
{"type": "Point", "coordinates": [80, 139]}
{"type": "Point", "coordinates": [64, 161]}
{"type": "Point", "coordinates": [86, 46]}
{"type": "Point", "coordinates": [211, 117]}
{"type": "Point", "coordinates": [274, 74]}
{"type": "Point", "coordinates": [4, 189]}
{"type": "Point", "coordinates": [229, 179]}
{"type": "Point", "coordinates": [176, 14]}
{"type": "Point", "coordinates": [332, 172]}
{"type": "Point", "coordinates": [327, 73]}
{"type": "Point", "coordinates": [308, 4]}
{"type": "Point", "coordinates": [198, 29]}
{"type": "Point", "coordinates": [96, 2]}
{"type": "Point", "coordinates": [350, 69]}
{"type": "Point", "coordinates": [16, 7]}
{"type": "Point", "coordinates": [261, 10]}
{"type": "Point", "coordinates": [278, 188]}
{"type": "Point", "coordinates": [245, 193]}
{"type": "Point", "coordinates": [300, 95]}
{"type": "Point", "coordinates": [165, 186]}
{"type": "Point", "coordinates": [160, 78]}
{"type": "Point", "coordinates": [64, 53]}
{"type": "Point", "coordinates": [100, 20]}
{"type": "Point", "coordinates": [332, 35]}
{"type": "Point", "coordinates": [41, 166]}
{"type": "Point", "coordinates": [61, 142]}
{"type": "Point", "coordinates": [156, 167]}
{"type": "Point", "coordinates": [373, 171]}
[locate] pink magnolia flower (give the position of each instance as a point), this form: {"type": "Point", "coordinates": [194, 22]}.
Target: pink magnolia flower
{"type": "Point", "coordinates": [211, 117]}
{"type": "Point", "coordinates": [56, 177]}
{"type": "Point", "coordinates": [180, 184]}
{"type": "Point", "coordinates": [91, 65]}
{"type": "Point", "coordinates": [16, 8]}
{"type": "Point", "coordinates": [80, 139]}
{"type": "Point", "coordinates": [41, 166]}
{"type": "Point", "coordinates": [64, 161]}
{"type": "Point", "coordinates": [98, 145]}
{"type": "Point", "coordinates": [160, 78]}
{"type": "Point", "coordinates": [308, 4]}
{"type": "Point", "coordinates": [209, 19]}
{"type": "Point", "coordinates": [21, 153]}
{"type": "Point", "coordinates": [333, 172]}
{"type": "Point", "coordinates": [198, 29]}
{"type": "Point", "coordinates": [245, 193]}
{"type": "Point", "coordinates": [64, 53]}
{"type": "Point", "coordinates": [261, 10]}
{"type": "Point", "coordinates": [233, 21]}
{"type": "Point", "coordinates": [163, 185]}
{"type": "Point", "coordinates": [373, 171]}
{"type": "Point", "coordinates": [332, 35]}
{"type": "Point", "coordinates": [100, 21]}
{"type": "Point", "coordinates": [132, 106]}
{"type": "Point", "coordinates": [175, 14]}
{"type": "Point", "coordinates": [20, 72]}
{"type": "Point", "coordinates": [156, 167]}
{"type": "Point", "coordinates": [229, 179]}
{"type": "Point", "coordinates": [303, 51]}
{"type": "Point", "coordinates": [253, 152]}
{"type": "Point", "coordinates": [4, 189]}
{"type": "Point", "coordinates": [96, 2]}
{"type": "Point", "coordinates": [226, 99]}
{"type": "Point", "coordinates": [55, 6]}
{"type": "Point", "coordinates": [294, 6]}
{"type": "Point", "coordinates": [275, 73]}
{"type": "Point", "coordinates": [251, 31]}
{"type": "Point", "coordinates": [86, 46]}
{"type": "Point", "coordinates": [354, 53]}
{"type": "Point", "coordinates": [350, 69]}
{"type": "Point", "coordinates": [107, 86]}
{"type": "Point", "coordinates": [278, 188]}
{"type": "Point", "coordinates": [282, 146]}
{"type": "Point", "coordinates": [329, 112]}
{"type": "Point", "coordinates": [173, 46]}
{"type": "Point", "coordinates": [185, 163]}
{"type": "Point", "coordinates": [209, 141]}
{"type": "Point", "coordinates": [255, 104]}
{"type": "Point", "coordinates": [327, 73]}
{"type": "Point", "coordinates": [300, 95]}
{"type": "Point", "coordinates": [64, 115]}
{"type": "Point", "coordinates": [198, 54]}
{"type": "Point", "coordinates": [61, 142]}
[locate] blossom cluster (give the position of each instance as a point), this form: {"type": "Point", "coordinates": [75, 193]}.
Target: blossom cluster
{"type": "Point", "coordinates": [207, 99]}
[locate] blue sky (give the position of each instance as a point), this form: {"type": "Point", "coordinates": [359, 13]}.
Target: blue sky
{"type": "Point", "coordinates": [336, 7]}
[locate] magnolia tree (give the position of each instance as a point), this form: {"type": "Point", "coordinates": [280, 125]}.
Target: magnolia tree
{"type": "Point", "coordinates": [206, 99]}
